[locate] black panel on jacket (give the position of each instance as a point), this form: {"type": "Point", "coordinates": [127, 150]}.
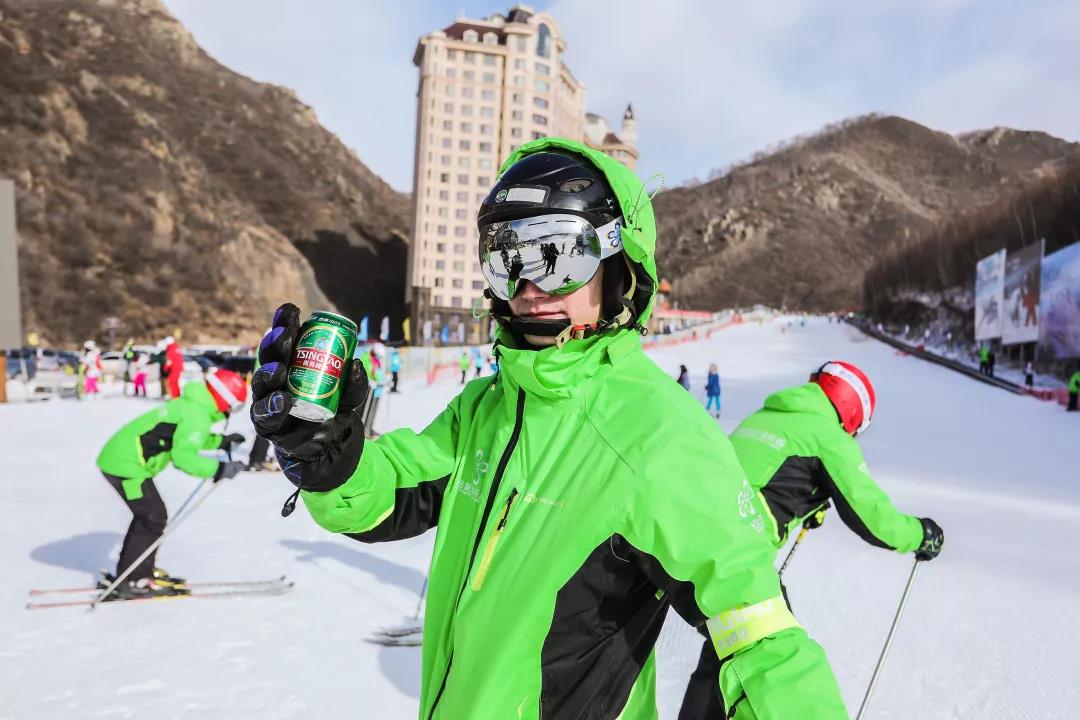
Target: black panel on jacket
{"type": "Point", "coordinates": [157, 439]}
{"type": "Point", "coordinates": [606, 621]}
{"type": "Point", "coordinates": [416, 510]}
{"type": "Point", "coordinates": [795, 490]}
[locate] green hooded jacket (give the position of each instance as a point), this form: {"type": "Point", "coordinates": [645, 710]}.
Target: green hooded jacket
{"type": "Point", "coordinates": [1074, 382]}
{"type": "Point", "coordinates": [176, 430]}
{"type": "Point", "coordinates": [798, 456]}
{"type": "Point", "coordinates": [578, 494]}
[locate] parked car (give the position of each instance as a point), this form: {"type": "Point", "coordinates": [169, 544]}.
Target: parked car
{"type": "Point", "coordinates": [112, 364]}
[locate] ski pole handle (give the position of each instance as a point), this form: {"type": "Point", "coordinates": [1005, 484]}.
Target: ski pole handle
{"type": "Point", "coordinates": [888, 641]}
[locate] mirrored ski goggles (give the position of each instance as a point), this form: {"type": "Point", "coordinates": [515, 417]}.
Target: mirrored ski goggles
{"type": "Point", "coordinates": [558, 253]}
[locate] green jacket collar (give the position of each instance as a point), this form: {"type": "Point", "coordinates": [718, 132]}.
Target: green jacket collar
{"type": "Point", "coordinates": [562, 373]}
{"type": "Point", "coordinates": [808, 398]}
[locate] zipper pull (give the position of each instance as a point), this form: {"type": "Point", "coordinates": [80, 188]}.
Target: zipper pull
{"type": "Point", "coordinates": [506, 511]}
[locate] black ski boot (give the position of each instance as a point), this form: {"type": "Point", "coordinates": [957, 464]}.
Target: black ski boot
{"type": "Point", "coordinates": [143, 588]}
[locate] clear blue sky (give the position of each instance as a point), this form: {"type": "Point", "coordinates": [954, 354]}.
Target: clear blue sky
{"type": "Point", "coordinates": [712, 81]}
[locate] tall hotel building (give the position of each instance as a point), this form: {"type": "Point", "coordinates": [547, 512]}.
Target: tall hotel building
{"type": "Point", "coordinates": [486, 86]}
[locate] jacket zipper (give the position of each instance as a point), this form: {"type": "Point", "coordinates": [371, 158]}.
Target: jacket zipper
{"type": "Point", "coordinates": [488, 505]}
{"type": "Point", "coordinates": [489, 549]}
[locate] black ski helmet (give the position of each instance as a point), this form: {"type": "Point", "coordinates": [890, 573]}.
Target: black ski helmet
{"type": "Point", "coordinates": [547, 182]}
{"type": "Point", "coordinates": [559, 181]}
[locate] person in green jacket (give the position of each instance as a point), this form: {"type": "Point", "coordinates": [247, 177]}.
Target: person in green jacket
{"type": "Point", "coordinates": [175, 431]}
{"type": "Point", "coordinates": [577, 494]}
{"type": "Point", "coordinates": [1074, 390]}
{"type": "Point", "coordinates": [800, 454]}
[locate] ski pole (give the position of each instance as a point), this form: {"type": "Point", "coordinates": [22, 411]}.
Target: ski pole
{"type": "Point", "coordinates": [180, 510]}
{"type": "Point", "coordinates": [420, 600]}
{"type": "Point", "coordinates": [154, 546]}
{"type": "Point", "coordinates": [888, 641]}
{"type": "Point", "coordinates": [798, 539]}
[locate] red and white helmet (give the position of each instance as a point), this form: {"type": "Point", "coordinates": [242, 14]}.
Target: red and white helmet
{"type": "Point", "coordinates": [227, 388]}
{"type": "Point", "coordinates": [850, 392]}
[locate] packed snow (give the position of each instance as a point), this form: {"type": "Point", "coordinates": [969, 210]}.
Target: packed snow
{"type": "Point", "coordinates": [990, 631]}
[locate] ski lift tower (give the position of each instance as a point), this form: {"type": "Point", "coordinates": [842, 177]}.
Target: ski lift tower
{"type": "Point", "coordinates": [10, 311]}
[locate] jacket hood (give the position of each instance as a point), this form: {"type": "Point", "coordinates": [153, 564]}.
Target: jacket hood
{"type": "Point", "coordinates": [808, 398]}
{"type": "Point", "coordinates": [198, 393]}
{"type": "Point", "coordinates": [639, 232]}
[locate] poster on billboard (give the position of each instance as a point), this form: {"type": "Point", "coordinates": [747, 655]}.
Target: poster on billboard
{"type": "Point", "coordinates": [989, 295]}
{"type": "Point", "coordinates": [1020, 318]}
{"type": "Point", "coordinates": [1059, 309]}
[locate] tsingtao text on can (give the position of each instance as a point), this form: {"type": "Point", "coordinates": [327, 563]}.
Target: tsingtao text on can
{"type": "Point", "coordinates": [325, 346]}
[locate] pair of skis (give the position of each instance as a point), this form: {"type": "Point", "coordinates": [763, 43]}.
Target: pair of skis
{"type": "Point", "coordinates": [409, 635]}
{"type": "Point", "coordinates": [193, 590]}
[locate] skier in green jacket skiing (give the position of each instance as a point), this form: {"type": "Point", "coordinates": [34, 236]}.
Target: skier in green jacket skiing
{"type": "Point", "coordinates": [800, 454]}
{"type": "Point", "coordinates": [175, 431]}
{"type": "Point", "coordinates": [577, 493]}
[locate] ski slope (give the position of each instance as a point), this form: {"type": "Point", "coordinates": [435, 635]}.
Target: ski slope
{"type": "Point", "coordinates": [991, 630]}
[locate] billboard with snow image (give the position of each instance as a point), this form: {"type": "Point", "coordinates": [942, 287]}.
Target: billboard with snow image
{"type": "Point", "coordinates": [989, 295]}
{"type": "Point", "coordinates": [1020, 320]}
{"type": "Point", "coordinates": [1059, 309]}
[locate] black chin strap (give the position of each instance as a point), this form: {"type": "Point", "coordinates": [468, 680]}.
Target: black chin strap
{"type": "Point", "coordinates": [538, 326]}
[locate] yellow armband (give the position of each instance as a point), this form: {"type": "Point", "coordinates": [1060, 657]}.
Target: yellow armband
{"type": "Point", "coordinates": [732, 630]}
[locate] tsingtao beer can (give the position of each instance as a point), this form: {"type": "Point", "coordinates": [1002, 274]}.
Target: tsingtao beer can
{"type": "Point", "coordinates": [326, 344]}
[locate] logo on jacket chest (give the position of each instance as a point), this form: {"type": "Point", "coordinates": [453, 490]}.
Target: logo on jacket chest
{"type": "Point", "coordinates": [469, 486]}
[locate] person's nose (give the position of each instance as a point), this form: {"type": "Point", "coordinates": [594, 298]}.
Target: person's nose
{"type": "Point", "coordinates": [529, 290]}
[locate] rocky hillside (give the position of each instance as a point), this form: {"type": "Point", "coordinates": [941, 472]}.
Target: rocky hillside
{"type": "Point", "coordinates": [157, 186]}
{"type": "Point", "coordinates": [800, 227]}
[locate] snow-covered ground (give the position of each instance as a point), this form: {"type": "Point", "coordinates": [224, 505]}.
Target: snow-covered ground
{"type": "Point", "coordinates": [991, 631]}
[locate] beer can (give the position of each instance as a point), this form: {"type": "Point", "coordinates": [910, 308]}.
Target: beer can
{"type": "Point", "coordinates": [320, 360]}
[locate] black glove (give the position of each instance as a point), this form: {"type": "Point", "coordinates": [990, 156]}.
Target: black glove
{"type": "Point", "coordinates": [314, 456]}
{"type": "Point", "coordinates": [231, 440]}
{"type": "Point", "coordinates": [933, 539]}
{"type": "Point", "coordinates": [228, 470]}
{"type": "Point", "coordinates": [817, 518]}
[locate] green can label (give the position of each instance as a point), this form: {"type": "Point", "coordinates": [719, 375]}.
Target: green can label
{"type": "Point", "coordinates": [326, 343]}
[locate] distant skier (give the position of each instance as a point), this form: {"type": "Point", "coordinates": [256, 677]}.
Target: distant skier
{"type": "Point", "coordinates": [464, 364]}
{"type": "Point", "coordinates": [991, 361]}
{"type": "Point", "coordinates": [91, 362]}
{"type": "Point", "coordinates": [138, 381]}
{"type": "Point", "coordinates": [128, 355]}
{"type": "Point", "coordinates": [377, 382]}
{"type": "Point", "coordinates": [712, 389]}
{"type": "Point", "coordinates": [684, 377]}
{"type": "Point", "coordinates": [478, 362]}
{"type": "Point", "coordinates": [176, 431]}
{"type": "Point", "coordinates": [984, 360]}
{"type": "Point", "coordinates": [800, 453]}
{"type": "Point", "coordinates": [1029, 374]}
{"type": "Point", "coordinates": [159, 359]}
{"type": "Point", "coordinates": [395, 368]}
{"type": "Point", "coordinates": [173, 367]}
{"type": "Point", "coordinates": [1074, 389]}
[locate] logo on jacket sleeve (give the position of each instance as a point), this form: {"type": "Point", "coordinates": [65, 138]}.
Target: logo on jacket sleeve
{"type": "Point", "coordinates": [746, 507]}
